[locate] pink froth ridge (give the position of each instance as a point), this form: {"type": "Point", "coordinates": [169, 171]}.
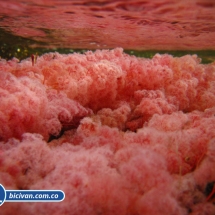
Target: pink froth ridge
{"type": "Point", "coordinates": [133, 135]}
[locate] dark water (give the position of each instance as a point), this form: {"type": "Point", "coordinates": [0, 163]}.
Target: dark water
{"type": "Point", "coordinates": [141, 27]}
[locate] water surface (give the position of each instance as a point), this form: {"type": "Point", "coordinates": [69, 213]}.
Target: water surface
{"type": "Point", "coordinates": [136, 25]}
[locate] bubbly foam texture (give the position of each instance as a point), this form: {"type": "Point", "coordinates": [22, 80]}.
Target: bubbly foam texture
{"type": "Point", "coordinates": [128, 135]}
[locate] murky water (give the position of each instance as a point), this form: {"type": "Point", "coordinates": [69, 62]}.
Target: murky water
{"type": "Point", "coordinates": [141, 27]}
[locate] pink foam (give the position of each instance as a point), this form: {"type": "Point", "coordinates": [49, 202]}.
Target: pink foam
{"type": "Point", "coordinates": [132, 135]}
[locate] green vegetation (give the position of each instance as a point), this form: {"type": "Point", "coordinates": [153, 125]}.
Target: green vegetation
{"type": "Point", "coordinates": [21, 48]}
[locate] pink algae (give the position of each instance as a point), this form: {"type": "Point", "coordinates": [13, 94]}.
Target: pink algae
{"type": "Point", "coordinates": [118, 134]}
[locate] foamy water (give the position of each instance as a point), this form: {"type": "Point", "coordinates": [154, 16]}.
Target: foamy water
{"type": "Point", "coordinates": [119, 134]}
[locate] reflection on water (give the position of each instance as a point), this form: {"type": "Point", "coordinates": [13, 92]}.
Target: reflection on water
{"type": "Point", "coordinates": [29, 25]}
{"type": "Point", "coordinates": [16, 46]}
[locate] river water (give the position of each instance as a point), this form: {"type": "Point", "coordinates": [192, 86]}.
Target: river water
{"type": "Point", "coordinates": [141, 27]}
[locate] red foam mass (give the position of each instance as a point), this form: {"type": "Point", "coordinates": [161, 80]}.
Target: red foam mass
{"type": "Point", "coordinates": [118, 134]}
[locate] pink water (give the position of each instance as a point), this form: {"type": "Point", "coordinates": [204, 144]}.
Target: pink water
{"type": "Point", "coordinates": [120, 135]}
{"type": "Point", "coordinates": [142, 25]}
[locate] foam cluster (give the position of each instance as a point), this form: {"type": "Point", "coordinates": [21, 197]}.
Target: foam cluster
{"type": "Point", "coordinates": [118, 134]}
